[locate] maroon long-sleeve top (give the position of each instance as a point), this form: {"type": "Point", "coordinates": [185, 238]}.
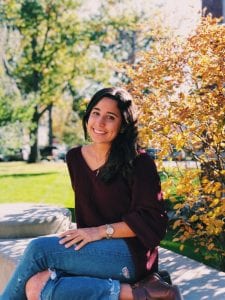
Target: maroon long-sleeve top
{"type": "Point", "coordinates": [139, 205]}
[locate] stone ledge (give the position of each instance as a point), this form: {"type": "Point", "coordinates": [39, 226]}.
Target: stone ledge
{"type": "Point", "coordinates": [24, 220]}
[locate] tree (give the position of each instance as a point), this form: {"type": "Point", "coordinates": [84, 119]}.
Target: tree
{"type": "Point", "coordinates": [122, 29]}
{"type": "Point", "coordinates": [14, 119]}
{"type": "Point", "coordinates": [55, 56]}
{"type": "Point", "coordinates": [179, 89]}
{"type": "Point", "coordinates": [14, 113]}
{"type": "Point", "coordinates": [48, 46]}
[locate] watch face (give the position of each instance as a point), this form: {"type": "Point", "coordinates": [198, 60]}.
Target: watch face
{"type": "Point", "coordinates": [110, 230]}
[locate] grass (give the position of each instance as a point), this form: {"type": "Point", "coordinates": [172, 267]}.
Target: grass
{"type": "Point", "coordinates": [46, 183]}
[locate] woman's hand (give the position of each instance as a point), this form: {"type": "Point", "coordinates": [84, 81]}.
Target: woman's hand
{"type": "Point", "coordinates": [80, 237]}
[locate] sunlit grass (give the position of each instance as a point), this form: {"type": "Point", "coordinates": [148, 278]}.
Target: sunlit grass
{"type": "Point", "coordinates": [46, 183]}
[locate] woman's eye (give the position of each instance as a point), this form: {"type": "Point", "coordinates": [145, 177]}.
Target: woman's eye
{"type": "Point", "coordinates": [95, 113]}
{"type": "Point", "coordinates": [111, 118]}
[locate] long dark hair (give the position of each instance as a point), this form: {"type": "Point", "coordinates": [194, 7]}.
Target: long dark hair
{"type": "Point", "coordinates": [124, 147]}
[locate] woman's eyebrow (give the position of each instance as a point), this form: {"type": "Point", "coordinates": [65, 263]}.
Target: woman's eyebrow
{"type": "Point", "coordinates": [108, 112]}
{"type": "Point", "coordinates": [111, 113]}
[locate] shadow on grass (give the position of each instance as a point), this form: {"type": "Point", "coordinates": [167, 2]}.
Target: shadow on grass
{"type": "Point", "coordinates": [27, 174]}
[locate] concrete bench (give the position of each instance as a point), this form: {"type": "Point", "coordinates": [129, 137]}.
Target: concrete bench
{"type": "Point", "coordinates": [19, 223]}
{"type": "Point", "coordinates": [24, 220]}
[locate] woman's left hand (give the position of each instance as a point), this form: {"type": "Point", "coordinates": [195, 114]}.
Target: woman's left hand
{"type": "Point", "coordinates": [79, 237]}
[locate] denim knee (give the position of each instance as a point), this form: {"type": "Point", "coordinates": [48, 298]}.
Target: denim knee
{"type": "Point", "coordinates": [46, 292]}
{"type": "Point", "coordinates": [34, 246]}
{"type": "Point", "coordinates": [114, 289]}
{"type": "Point", "coordinates": [60, 286]}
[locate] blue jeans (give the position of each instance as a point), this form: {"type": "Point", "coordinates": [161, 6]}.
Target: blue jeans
{"type": "Point", "coordinates": [94, 272]}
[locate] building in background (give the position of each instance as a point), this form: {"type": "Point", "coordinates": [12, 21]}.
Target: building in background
{"type": "Point", "coordinates": [214, 7]}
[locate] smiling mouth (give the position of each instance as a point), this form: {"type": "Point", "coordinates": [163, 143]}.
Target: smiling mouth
{"type": "Point", "coordinates": [98, 131]}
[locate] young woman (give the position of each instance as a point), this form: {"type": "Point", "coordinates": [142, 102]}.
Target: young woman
{"type": "Point", "coordinates": [120, 218]}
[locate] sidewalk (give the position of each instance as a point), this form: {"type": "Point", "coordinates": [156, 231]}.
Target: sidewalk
{"type": "Point", "coordinates": [195, 280]}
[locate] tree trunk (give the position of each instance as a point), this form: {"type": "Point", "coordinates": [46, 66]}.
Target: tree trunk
{"type": "Point", "coordinates": [50, 129]}
{"type": "Point", "coordinates": [222, 258]}
{"type": "Point", "coordinates": [34, 151]}
{"type": "Point", "coordinates": [132, 55]}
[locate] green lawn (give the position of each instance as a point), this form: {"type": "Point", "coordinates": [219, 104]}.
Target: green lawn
{"type": "Point", "coordinates": [44, 182]}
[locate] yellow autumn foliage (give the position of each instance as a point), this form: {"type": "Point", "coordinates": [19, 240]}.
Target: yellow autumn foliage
{"type": "Point", "coordinates": [179, 89]}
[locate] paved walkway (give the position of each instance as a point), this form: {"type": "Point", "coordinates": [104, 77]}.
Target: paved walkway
{"type": "Point", "coordinates": [195, 280]}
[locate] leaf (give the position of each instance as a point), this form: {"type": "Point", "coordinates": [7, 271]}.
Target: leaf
{"type": "Point", "coordinates": [193, 218]}
{"type": "Point", "coordinates": [210, 246]}
{"type": "Point", "coordinates": [176, 240]}
{"type": "Point", "coordinates": [214, 202]}
{"type": "Point", "coordinates": [178, 206]}
{"type": "Point", "coordinates": [176, 224]}
{"type": "Point", "coordinates": [181, 247]}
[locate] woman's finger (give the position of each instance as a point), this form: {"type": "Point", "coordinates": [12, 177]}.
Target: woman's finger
{"type": "Point", "coordinates": [67, 238]}
{"type": "Point", "coordinates": [76, 240]}
{"type": "Point", "coordinates": [67, 233]}
{"type": "Point", "coordinates": [80, 245]}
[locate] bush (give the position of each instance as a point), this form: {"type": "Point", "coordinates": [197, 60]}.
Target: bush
{"type": "Point", "coordinates": [179, 87]}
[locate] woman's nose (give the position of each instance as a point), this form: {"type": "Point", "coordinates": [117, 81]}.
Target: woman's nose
{"type": "Point", "coordinates": [101, 121]}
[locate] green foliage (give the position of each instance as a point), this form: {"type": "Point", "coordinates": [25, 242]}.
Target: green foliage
{"type": "Point", "coordinates": [10, 138]}
{"type": "Point", "coordinates": [47, 33]}
{"type": "Point", "coordinates": [12, 109]}
{"type": "Point", "coordinates": [53, 52]}
{"type": "Point", "coordinates": [47, 54]}
{"type": "Point", "coordinates": [6, 111]}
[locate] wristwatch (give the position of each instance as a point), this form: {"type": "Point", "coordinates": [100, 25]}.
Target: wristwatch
{"type": "Point", "coordinates": [109, 231]}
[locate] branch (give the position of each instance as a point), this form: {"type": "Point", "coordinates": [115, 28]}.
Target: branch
{"type": "Point", "coordinates": [47, 30]}
{"type": "Point", "coordinates": [7, 67]}
{"type": "Point", "coordinates": [44, 110]}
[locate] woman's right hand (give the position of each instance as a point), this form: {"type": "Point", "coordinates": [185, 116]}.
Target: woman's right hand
{"type": "Point", "coordinates": [80, 237]}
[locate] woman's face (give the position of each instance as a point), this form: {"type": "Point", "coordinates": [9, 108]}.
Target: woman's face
{"type": "Point", "coordinates": [104, 122]}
